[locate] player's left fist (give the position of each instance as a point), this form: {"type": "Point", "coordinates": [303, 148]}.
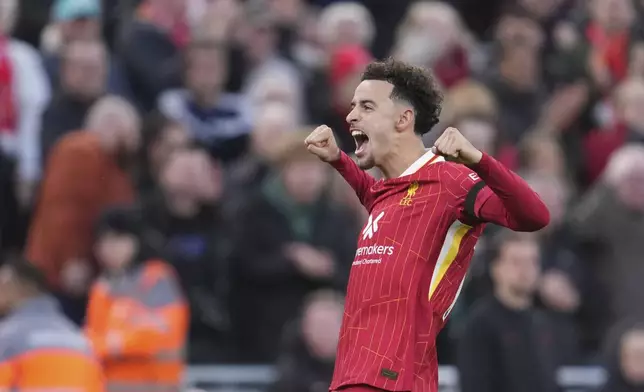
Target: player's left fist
{"type": "Point", "coordinates": [456, 148]}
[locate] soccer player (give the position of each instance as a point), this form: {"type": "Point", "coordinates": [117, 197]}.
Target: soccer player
{"type": "Point", "coordinates": [425, 218]}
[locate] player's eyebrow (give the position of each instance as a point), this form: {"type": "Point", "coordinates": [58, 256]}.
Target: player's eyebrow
{"type": "Point", "coordinates": [363, 102]}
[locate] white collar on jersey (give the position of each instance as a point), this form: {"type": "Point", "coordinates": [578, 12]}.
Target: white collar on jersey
{"type": "Point", "coordinates": [420, 162]}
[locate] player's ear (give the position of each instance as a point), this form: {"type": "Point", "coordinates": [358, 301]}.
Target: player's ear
{"type": "Point", "coordinates": [405, 119]}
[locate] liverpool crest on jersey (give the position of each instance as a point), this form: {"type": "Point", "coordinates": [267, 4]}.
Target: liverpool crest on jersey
{"type": "Point", "coordinates": [411, 192]}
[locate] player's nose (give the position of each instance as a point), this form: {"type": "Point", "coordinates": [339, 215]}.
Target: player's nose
{"type": "Point", "coordinates": [352, 117]}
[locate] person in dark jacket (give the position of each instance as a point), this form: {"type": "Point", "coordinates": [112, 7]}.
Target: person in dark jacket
{"type": "Point", "coordinates": [82, 78]}
{"type": "Point", "coordinates": [150, 48]}
{"type": "Point", "coordinates": [291, 240]}
{"type": "Point", "coordinates": [186, 215]}
{"type": "Point", "coordinates": [507, 345]}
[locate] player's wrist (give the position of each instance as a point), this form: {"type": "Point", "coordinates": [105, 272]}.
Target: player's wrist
{"type": "Point", "coordinates": [475, 158]}
{"type": "Point", "coordinates": [335, 157]}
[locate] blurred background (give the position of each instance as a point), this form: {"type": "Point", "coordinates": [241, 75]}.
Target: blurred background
{"type": "Point", "coordinates": [194, 112]}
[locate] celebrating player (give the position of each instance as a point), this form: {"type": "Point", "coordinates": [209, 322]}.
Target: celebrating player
{"type": "Point", "coordinates": [425, 218]}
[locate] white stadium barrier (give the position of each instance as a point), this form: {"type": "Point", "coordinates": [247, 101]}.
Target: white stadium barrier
{"type": "Point", "coordinates": [255, 378]}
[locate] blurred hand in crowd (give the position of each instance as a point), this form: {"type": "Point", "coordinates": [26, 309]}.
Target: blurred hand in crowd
{"type": "Point", "coordinates": [310, 261]}
{"type": "Point", "coordinates": [558, 292]}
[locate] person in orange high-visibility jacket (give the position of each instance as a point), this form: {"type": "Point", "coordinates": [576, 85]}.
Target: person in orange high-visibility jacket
{"type": "Point", "coordinates": [40, 350]}
{"type": "Point", "coordinates": [137, 318]}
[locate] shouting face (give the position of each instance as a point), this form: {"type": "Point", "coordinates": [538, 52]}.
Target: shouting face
{"type": "Point", "coordinates": [373, 119]}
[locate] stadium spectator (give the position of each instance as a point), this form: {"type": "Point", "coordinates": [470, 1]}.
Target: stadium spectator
{"type": "Point", "coordinates": [266, 66]}
{"type": "Point", "coordinates": [433, 35]}
{"type": "Point", "coordinates": [273, 121]}
{"type": "Point", "coordinates": [218, 120]}
{"type": "Point", "coordinates": [626, 126]}
{"type": "Point", "coordinates": [188, 216]}
{"type": "Point", "coordinates": [472, 109]}
{"type": "Point", "coordinates": [309, 345]}
{"type": "Point", "coordinates": [515, 78]}
{"type": "Point", "coordinates": [82, 83]}
{"type": "Point", "coordinates": [137, 318]}
{"type": "Point", "coordinates": [24, 94]}
{"type": "Point", "coordinates": [79, 20]}
{"type": "Point", "coordinates": [292, 240]}
{"type": "Point", "coordinates": [161, 138]}
{"type": "Point", "coordinates": [41, 348]}
{"type": "Point", "coordinates": [551, 88]}
{"type": "Point", "coordinates": [507, 344]}
{"type": "Point", "coordinates": [608, 221]}
{"type": "Point", "coordinates": [88, 171]}
{"type": "Point", "coordinates": [150, 47]}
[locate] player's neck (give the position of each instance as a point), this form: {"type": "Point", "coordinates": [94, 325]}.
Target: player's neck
{"type": "Point", "coordinates": [402, 158]}
{"type": "Point", "coordinates": [512, 300]}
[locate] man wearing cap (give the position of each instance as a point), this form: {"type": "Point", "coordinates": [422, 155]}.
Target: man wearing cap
{"type": "Point", "coordinates": [80, 20]}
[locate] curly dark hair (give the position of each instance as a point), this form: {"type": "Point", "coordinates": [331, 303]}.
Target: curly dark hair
{"type": "Point", "coordinates": [413, 85]}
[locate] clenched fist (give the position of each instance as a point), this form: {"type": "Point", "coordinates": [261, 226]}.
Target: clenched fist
{"type": "Point", "coordinates": [321, 142]}
{"type": "Point", "coordinates": [456, 148]}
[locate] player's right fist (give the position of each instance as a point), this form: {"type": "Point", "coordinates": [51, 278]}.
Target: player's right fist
{"type": "Point", "coordinates": [321, 142]}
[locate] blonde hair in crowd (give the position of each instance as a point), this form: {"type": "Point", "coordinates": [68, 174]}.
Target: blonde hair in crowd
{"type": "Point", "coordinates": [114, 107]}
{"type": "Point", "coordinates": [333, 15]}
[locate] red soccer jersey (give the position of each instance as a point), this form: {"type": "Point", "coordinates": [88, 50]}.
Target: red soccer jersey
{"type": "Point", "coordinates": [408, 270]}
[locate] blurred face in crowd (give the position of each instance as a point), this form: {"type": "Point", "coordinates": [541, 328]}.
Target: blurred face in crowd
{"type": "Point", "coordinates": [115, 251]}
{"type": "Point", "coordinates": [373, 118]}
{"type": "Point", "coordinates": [206, 72]}
{"type": "Point", "coordinates": [612, 15]}
{"type": "Point", "coordinates": [632, 356]}
{"type": "Point", "coordinates": [481, 133]}
{"type": "Point", "coordinates": [273, 121]}
{"type": "Point", "coordinates": [189, 180]}
{"type": "Point", "coordinates": [431, 28]}
{"type": "Point", "coordinates": [260, 39]}
{"type": "Point", "coordinates": [84, 69]}
{"type": "Point", "coordinates": [321, 327]}
{"type": "Point", "coordinates": [304, 180]}
{"type": "Point", "coordinates": [274, 89]}
{"type": "Point", "coordinates": [118, 127]}
{"type": "Point", "coordinates": [173, 138]}
{"type": "Point", "coordinates": [87, 28]}
{"type": "Point", "coordinates": [519, 66]}
{"type": "Point", "coordinates": [519, 31]}
{"type": "Point", "coordinates": [122, 134]}
{"type": "Point", "coordinates": [545, 156]}
{"type": "Point", "coordinates": [516, 271]}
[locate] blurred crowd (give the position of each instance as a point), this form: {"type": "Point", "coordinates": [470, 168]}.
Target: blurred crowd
{"type": "Point", "coordinates": [188, 117]}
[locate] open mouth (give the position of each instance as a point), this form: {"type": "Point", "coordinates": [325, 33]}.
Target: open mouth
{"type": "Point", "coordinates": [361, 140]}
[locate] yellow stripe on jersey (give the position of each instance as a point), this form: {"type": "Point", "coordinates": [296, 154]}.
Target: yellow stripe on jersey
{"type": "Point", "coordinates": [448, 253]}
